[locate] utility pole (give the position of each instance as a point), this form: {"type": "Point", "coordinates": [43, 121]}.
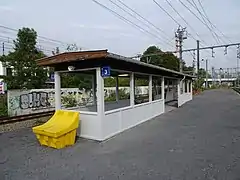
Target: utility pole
{"type": "Point", "coordinates": [180, 35]}
{"type": "Point", "coordinates": [238, 57]}
{"type": "Point", "coordinates": [3, 63]}
{"type": "Point", "coordinates": [3, 49]}
{"type": "Point", "coordinates": [206, 73]}
{"type": "Point", "coordinates": [198, 59]}
{"type": "Point", "coordinates": [213, 76]}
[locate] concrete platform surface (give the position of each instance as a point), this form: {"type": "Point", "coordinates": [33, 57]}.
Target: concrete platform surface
{"type": "Point", "coordinates": [200, 140]}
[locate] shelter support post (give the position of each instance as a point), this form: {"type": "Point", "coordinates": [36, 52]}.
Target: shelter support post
{"type": "Point", "coordinates": [183, 86]}
{"type": "Point", "coordinates": [94, 88]}
{"type": "Point", "coordinates": [132, 89]}
{"type": "Point", "coordinates": [168, 82]}
{"type": "Point", "coordinates": [150, 88]}
{"type": "Point", "coordinates": [100, 93]}
{"type": "Point", "coordinates": [57, 85]}
{"type": "Point", "coordinates": [191, 86]}
{"type": "Point", "coordinates": [117, 89]}
{"type": "Point", "coordinates": [179, 87]}
{"type": "Point", "coordinates": [163, 88]}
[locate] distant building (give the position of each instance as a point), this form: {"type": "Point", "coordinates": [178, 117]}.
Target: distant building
{"type": "Point", "coordinates": [2, 72]}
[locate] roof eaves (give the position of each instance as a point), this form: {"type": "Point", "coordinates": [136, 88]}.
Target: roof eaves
{"type": "Point", "coordinates": [115, 56]}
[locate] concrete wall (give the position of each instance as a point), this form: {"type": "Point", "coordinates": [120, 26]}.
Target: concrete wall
{"type": "Point", "coordinates": [22, 102]}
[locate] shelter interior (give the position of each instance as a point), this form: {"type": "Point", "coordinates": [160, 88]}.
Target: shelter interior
{"type": "Point", "coordinates": [123, 92]}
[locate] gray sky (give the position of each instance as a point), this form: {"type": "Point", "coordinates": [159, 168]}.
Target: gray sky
{"type": "Point", "coordinates": [92, 27]}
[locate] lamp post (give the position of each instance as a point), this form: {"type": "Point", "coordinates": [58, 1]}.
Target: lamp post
{"type": "Point", "coordinates": [206, 61]}
{"type": "Point", "coordinates": [220, 71]}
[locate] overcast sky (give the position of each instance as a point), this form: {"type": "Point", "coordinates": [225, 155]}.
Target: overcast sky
{"type": "Point", "coordinates": [93, 27]}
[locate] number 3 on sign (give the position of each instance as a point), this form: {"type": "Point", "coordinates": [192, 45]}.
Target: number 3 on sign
{"type": "Point", "coordinates": [105, 71]}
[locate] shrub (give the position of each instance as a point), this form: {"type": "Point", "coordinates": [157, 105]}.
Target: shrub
{"type": "Point", "coordinates": [3, 105]}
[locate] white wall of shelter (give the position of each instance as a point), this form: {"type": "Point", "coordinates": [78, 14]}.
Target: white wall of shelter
{"type": "Point", "coordinates": [105, 123]}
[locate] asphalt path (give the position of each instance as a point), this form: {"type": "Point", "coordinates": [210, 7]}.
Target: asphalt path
{"type": "Point", "coordinates": [200, 140]}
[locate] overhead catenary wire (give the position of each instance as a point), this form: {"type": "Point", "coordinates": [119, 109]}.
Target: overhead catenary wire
{"type": "Point", "coordinates": [7, 42]}
{"type": "Point", "coordinates": [149, 22]}
{"type": "Point", "coordinates": [41, 40]}
{"type": "Point", "coordinates": [128, 21]}
{"type": "Point", "coordinates": [194, 5]}
{"type": "Point", "coordinates": [204, 15]}
{"type": "Point", "coordinates": [170, 17]}
{"type": "Point", "coordinates": [199, 19]}
{"type": "Point", "coordinates": [167, 13]}
{"type": "Point", "coordinates": [43, 37]}
{"type": "Point", "coordinates": [201, 5]}
{"type": "Point", "coordinates": [138, 19]}
{"type": "Point", "coordinates": [169, 3]}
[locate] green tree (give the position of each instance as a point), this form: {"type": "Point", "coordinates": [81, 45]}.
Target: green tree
{"type": "Point", "coordinates": [25, 72]}
{"type": "Point", "coordinates": [167, 60]}
{"type": "Point", "coordinates": [202, 73]}
{"type": "Point", "coordinates": [76, 80]}
{"type": "Point", "coordinates": [187, 69]}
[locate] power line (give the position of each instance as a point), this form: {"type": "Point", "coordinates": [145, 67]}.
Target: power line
{"type": "Point", "coordinates": [194, 5]}
{"type": "Point", "coordinates": [200, 3]}
{"type": "Point", "coordinates": [143, 18]}
{"type": "Point", "coordinates": [6, 39]}
{"type": "Point", "coordinates": [205, 16]}
{"type": "Point", "coordinates": [198, 19]}
{"type": "Point", "coordinates": [133, 16]}
{"type": "Point", "coordinates": [167, 13]}
{"type": "Point", "coordinates": [41, 47]}
{"type": "Point", "coordinates": [170, 16]}
{"type": "Point", "coordinates": [169, 3]}
{"type": "Point", "coordinates": [49, 39]}
{"type": "Point", "coordinates": [125, 19]}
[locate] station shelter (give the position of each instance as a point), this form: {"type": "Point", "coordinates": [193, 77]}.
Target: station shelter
{"type": "Point", "coordinates": [102, 120]}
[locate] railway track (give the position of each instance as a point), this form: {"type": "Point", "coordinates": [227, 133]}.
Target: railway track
{"type": "Point", "coordinates": [10, 120]}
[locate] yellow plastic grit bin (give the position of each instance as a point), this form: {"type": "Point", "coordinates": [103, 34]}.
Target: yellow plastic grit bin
{"type": "Point", "coordinates": [59, 131]}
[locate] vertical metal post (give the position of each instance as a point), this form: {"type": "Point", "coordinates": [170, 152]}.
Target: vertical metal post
{"type": "Point", "coordinates": [132, 88]}
{"type": "Point", "coordinates": [117, 89]}
{"type": "Point", "coordinates": [150, 88]}
{"type": "Point", "coordinates": [180, 54]}
{"type": "Point", "coordinates": [163, 92]}
{"type": "Point", "coordinates": [198, 59]}
{"type": "Point", "coordinates": [178, 91]}
{"type": "Point", "coordinates": [237, 72]}
{"type": "Point", "coordinates": [213, 76]}
{"type": "Point", "coordinates": [94, 88]}
{"type": "Point", "coordinates": [3, 49]}
{"type": "Point", "coordinates": [206, 73]}
{"type": "Point", "coordinates": [238, 56]}
{"type": "Point", "coordinates": [100, 105]}
{"type": "Point", "coordinates": [100, 93]}
{"type": "Point", "coordinates": [180, 36]}
{"type": "Point", "coordinates": [3, 63]}
{"type": "Point", "coordinates": [57, 86]}
{"type": "Point", "coordinates": [163, 88]}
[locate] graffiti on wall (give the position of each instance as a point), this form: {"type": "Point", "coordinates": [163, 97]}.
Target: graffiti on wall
{"type": "Point", "coordinates": [22, 102]}
{"type": "Point", "coordinates": [34, 100]}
